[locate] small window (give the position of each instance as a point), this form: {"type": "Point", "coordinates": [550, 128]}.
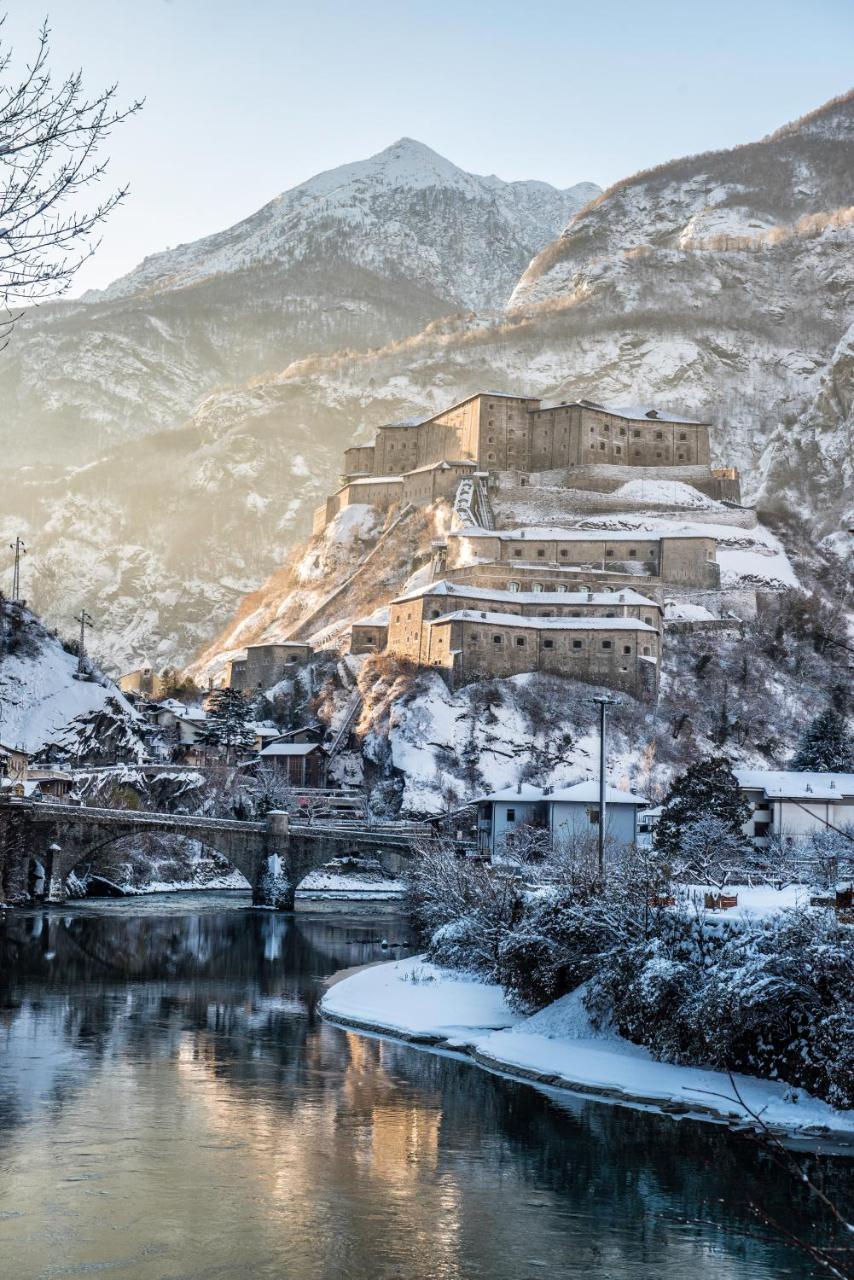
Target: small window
{"type": "Point", "coordinates": [564, 553]}
{"type": "Point", "coordinates": [434, 613]}
{"type": "Point", "coordinates": [683, 435]}
{"type": "Point", "coordinates": [511, 815]}
{"type": "Point", "coordinates": [636, 435]}
{"type": "Point", "coordinates": [536, 586]}
{"type": "Point", "coordinates": [618, 448]}
{"type": "Point", "coordinates": [490, 457]}
{"type": "Point", "coordinates": [622, 431]}
{"type": "Point", "coordinates": [761, 829]}
{"type": "Point", "coordinates": [658, 453]}
{"type": "Point", "coordinates": [627, 648]}
{"type": "Point", "coordinates": [512, 586]}
{"type": "Point", "coordinates": [518, 555]}
{"type": "Point", "coordinates": [605, 427]}
{"type": "Point", "coordinates": [473, 638]}
{"type": "Point", "coordinates": [541, 555]}
{"type": "Point", "coordinates": [659, 435]}
{"type": "Point", "coordinates": [609, 554]}
{"type": "Point", "coordinates": [496, 639]}
{"type": "Point", "coordinates": [593, 815]}
{"type": "Point", "coordinates": [610, 614]}
{"type": "Point", "coordinates": [606, 644]}
{"type": "Point", "coordinates": [602, 445]}
{"type": "Point", "coordinates": [548, 644]}
{"type": "Point", "coordinates": [520, 642]}
{"type": "Point", "coordinates": [637, 453]}
{"type": "Point", "coordinates": [646, 650]}
{"type": "Point", "coordinates": [648, 621]}
{"type": "Point", "coordinates": [576, 644]}
{"type": "Point", "coordinates": [632, 553]}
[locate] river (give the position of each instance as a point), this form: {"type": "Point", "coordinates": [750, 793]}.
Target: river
{"type": "Point", "coordinates": [172, 1107]}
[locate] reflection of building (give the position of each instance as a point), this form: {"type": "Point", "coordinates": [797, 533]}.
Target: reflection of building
{"type": "Point", "coordinates": [565, 813]}
{"type": "Point", "coordinates": [789, 803]}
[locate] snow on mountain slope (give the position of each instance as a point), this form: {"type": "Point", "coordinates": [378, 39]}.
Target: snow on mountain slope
{"type": "Point", "coordinates": [406, 211]}
{"type": "Point", "coordinates": [39, 695]}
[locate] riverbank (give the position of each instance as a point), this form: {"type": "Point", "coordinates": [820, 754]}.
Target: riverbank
{"type": "Point", "coordinates": [437, 1008]}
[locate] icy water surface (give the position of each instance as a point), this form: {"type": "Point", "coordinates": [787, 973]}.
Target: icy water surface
{"type": "Point", "coordinates": [173, 1108]}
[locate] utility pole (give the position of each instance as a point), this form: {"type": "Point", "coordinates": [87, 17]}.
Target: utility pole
{"type": "Point", "coordinates": [20, 550]}
{"type": "Point", "coordinates": [603, 705]}
{"type": "Point", "coordinates": [86, 620]}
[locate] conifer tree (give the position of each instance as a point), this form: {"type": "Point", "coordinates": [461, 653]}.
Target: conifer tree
{"type": "Point", "coordinates": [228, 721]}
{"type": "Point", "coordinates": [826, 745]}
{"type": "Point", "coordinates": [707, 789]}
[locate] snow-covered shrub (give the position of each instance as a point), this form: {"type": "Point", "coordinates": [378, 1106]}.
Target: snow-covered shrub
{"type": "Point", "coordinates": [481, 902]}
{"type": "Point", "coordinates": [772, 997]}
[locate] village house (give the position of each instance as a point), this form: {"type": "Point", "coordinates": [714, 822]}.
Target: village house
{"type": "Point", "coordinates": [143, 682]}
{"type": "Point", "coordinates": [266, 664]}
{"type": "Point", "coordinates": [789, 803]}
{"type": "Point", "coordinates": [410, 615]}
{"type": "Point", "coordinates": [300, 764]}
{"type": "Point", "coordinates": [684, 558]}
{"type": "Point", "coordinates": [566, 814]}
{"type": "Point", "coordinates": [14, 762]}
{"type": "Point", "coordinates": [619, 653]}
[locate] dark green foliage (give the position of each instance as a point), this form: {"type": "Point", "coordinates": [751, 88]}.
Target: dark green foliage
{"type": "Point", "coordinates": [826, 745]}
{"type": "Point", "coordinates": [707, 789]}
{"type": "Point", "coordinates": [228, 721]}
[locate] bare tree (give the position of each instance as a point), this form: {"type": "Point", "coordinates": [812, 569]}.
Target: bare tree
{"type": "Point", "coordinates": [50, 136]}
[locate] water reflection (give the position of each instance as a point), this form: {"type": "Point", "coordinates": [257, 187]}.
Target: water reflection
{"type": "Point", "coordinates": [171, 1106]}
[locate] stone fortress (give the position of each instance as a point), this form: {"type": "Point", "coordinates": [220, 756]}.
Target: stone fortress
{"type": "Point", "coordinates": [524, 581]}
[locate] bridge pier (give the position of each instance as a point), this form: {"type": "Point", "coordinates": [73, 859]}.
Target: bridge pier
{"type": "Point", "coordinates": [273, 887]}
{"type": "Point", "coordinates": [54, 878]}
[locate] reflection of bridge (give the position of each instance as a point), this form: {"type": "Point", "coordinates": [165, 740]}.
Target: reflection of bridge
{"type": "Point", "coordinates": [60, 837]}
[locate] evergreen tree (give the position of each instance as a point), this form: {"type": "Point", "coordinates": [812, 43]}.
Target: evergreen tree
{"type": "Point", "coordinates": [707, 789]}
{"type": "Point", "coordinates": [228, 721]}
{"type": "Point", "coordinates": [826, 745]}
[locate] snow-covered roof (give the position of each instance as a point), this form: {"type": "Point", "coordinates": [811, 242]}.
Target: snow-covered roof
{"type": "Point", "coordinates": [280, 644]}
{"type": "Point", "coordinates": [543, 624]}
{"type": "Point", "coordinates": [790, 784]}
{"type": "Point", "coordinates": [632, 413]}
{"type": "Point", "coordinates": [289, 749]}
{"type": "Point", "coordinates": [29, 786]}
{"type": "Point", "coordinates": [585, 792]}
{"type": "Point", "coordinates": [466, 592]}
{"type": "Point", "coordinates": [173, 705]}
{"type": "Point", "coordinates": [546, 533]}
{"type": "Point", "coordinates": [4, 746]}
{"type": "Point", "coordinates": [374, 480]}
{"type": "Point", "coordinates": [379, 618]}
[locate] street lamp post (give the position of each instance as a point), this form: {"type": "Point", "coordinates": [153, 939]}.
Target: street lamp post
{"type": "Point", "coordinates": [603, 704]}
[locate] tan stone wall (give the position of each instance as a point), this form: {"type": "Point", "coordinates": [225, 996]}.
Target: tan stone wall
{"type": "Point", "coordinates": [360, 460]}
{"type": "Point", "coordinates": [478, 650]}
{"type": "Point", "coordinates": [266, 664]}
{"type": "Point", "coordinates": [645, 442]}
{"type": "Point", "coordinates": [426, 486]}
{"type": "Point", "coordinates": [691, 561]}
{"type": "Point", "coordinates": [368, 639]}
{"type": "Point", "coordinates": [395, 451]}
{"type": "Point", "coordinates": [505, 577]}
{"type": "Point", "coordinates": [404, 628]}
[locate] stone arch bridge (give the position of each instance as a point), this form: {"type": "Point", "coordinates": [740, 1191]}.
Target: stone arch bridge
{"type": "Point", "coordinates": [62, 837]}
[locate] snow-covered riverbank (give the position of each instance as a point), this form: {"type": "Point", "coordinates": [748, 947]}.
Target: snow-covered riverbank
{"type": "Point", "coordinates": [424, 1004]}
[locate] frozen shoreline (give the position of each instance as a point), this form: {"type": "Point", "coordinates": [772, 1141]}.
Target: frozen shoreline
{"type": "Point", "coordinates": [422, 1004]}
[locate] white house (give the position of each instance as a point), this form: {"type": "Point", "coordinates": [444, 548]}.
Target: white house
{"type": "Point", "coordinates": [786, 803]}
{"type": "Point", "coordinates": [564, 812]}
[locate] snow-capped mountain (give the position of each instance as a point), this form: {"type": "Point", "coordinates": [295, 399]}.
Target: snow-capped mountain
{"type": "Point", "coordinates": [406, 213]}
{"type": "Point", "coordinates": [344, 261]}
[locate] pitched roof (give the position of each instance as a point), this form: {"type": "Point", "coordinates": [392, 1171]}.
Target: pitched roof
{"type": "Point", "coordinates": [583, 792]}
{"type": "Point", "coordinates": [289, 749]}
{"type": "Point", "coordinates": [792, 784]}
{"type": "Point", "coordinates": [546, 533]}
{"type": "Point", "coordinates": [543, 624]}
{"type": "Point", "coordinates": [466, 592]}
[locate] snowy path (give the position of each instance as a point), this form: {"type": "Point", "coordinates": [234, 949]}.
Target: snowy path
{"type": "Point", "coordinates": [419, 1002]}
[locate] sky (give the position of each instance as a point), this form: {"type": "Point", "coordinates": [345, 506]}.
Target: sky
{"type": "Point", "coordinates": [244, 100]}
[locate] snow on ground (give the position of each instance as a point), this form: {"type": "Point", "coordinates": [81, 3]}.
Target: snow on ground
{"type": "Point", "coordinates": [682, 611]}
{"type": "Point", "coordinates": [559, 1046]}
{"type": "Point", "coordinates": [669, 492]}
{"type": "Point", "coordinates": [39, 696]}
{"type": "Point", "coordinates": [323, 884]}
{"type": "Point", "coordinates": [754, 901]}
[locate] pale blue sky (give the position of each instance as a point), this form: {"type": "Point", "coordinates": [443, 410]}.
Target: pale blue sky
{"type": "Point", "coordinates": [247, 99]}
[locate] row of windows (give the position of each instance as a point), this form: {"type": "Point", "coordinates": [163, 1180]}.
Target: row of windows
{"type": "Point", "coordinates": [563, 552]}
{"type": "Point", "coordinates": [521, 642]}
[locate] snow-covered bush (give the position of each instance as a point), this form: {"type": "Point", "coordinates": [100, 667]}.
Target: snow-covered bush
{"type": "Point", "coordinates": [773, 997]}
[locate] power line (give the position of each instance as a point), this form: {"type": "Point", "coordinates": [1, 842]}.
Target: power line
{"type": "Point", "coordinates": [20, 550]}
